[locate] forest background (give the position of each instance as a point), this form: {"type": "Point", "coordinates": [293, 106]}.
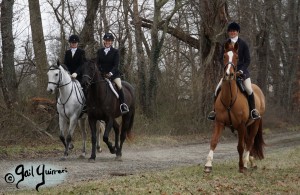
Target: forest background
{"type": "Point", "coordinates": [169, 51]}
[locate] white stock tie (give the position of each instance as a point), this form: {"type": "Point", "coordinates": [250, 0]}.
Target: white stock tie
{"type": "Point", "coordinates": [106, 50]}
{"type": "Point", "coordinates": [73, 51]}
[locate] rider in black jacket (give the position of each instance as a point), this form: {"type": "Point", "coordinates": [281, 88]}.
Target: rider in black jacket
{"type": "Point", "coordinates": [108, 59]}
{"type": "Point", "coordinates": [243, 63]}
{"type": "Point", "coordinates": [74, 58]}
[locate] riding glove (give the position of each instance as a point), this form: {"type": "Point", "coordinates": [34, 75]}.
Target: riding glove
{"type": "Point", "coordinates": [74, 75]}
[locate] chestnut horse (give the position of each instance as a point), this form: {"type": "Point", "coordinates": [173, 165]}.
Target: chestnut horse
{"type": "Point", "coordinates": [102, 104]}
{"type": "Point", "coordinates": [232, 111]}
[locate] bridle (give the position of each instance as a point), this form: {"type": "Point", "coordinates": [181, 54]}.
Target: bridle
{"type": "Point", "coordinates": [90, 78]}
{"type": "Point", "coordinates": [58, 84]}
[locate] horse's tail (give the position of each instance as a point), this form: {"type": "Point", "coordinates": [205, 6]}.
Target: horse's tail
{"type": "Point", "coordinates": [259, 143]}
{"type": "Point", "coordinates": [130, 124]}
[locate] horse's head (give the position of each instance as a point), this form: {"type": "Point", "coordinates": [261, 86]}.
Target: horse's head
{"type": "Point", "coordinates": [53, 78]}
{"type": "Point", "coordinates": [89, 70]}
{"type": "Point", "coordinates": [230, 61]}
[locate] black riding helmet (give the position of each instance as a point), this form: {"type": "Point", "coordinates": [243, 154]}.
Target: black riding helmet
{"type": "Point", "coordinates": [108, 36]}
{"type": "Point", "coordinates": [233, 26]}
{"type": "Point", "coordinates": [73, 39]}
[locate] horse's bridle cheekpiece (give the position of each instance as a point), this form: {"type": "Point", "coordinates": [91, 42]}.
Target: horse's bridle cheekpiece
{"type": "Point", "coordinates": [53, 67]}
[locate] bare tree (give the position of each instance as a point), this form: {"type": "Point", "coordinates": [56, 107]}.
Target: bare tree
{"type": "Point", "coordinates": [214, 21]}
{"type": "Point", "coordinates": [87, 34]}
{"type": "Point", "coordinates": [140, 57]}
{"type": "Point", "coordinates": [8, 75]}
{"type": "Point", "coordinates": [38, 45]}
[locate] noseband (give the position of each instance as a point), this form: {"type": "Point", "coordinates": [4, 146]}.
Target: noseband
{"type": "Point", "coordinates": [234, 68]}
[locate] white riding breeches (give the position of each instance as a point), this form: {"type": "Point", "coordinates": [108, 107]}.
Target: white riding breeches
{"type": "Point", "coordinates": [118, 83]}
{"type": "Point", "coordinates": [247, 84]}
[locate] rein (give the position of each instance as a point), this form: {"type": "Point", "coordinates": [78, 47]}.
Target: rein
{"type": "Point", "coordinates": [90, 81]}
{"type": "Point", "coordinates": [232, 100]}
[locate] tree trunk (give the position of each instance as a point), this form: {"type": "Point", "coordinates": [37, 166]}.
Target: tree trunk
{"type": "Point", "coordinates": [126, 47]}
{"type": "Point", "coordinates": [38, 45]}
{"type": "Point", "coordinates": [87, 34]}
{"type": "Point", "coordinates": [214, 20]}
{"type": "Point", "coordinates": [8, 78]}
{"type": "Point", "coordinates": [140, 57]}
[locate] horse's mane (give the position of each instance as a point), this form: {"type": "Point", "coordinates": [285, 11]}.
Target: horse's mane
{"type": "Point", "coordinates": [53, 67]}
{"type": "Point", "coordinates": [64, 67]}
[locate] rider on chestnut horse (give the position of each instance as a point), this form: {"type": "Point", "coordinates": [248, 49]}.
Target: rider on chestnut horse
{"type": "Point", "coordinates": [242, 66]}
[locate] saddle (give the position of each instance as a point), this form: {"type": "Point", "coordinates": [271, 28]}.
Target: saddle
{"type": "Point", "coordinates": [239, 82]}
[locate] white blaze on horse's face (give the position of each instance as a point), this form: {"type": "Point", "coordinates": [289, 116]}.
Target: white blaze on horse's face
{"type": "Point", "coordinates": [53, 78]}
{"type": "Point", "coordinates": [230, 57]}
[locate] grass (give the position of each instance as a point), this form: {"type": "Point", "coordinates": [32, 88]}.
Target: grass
{"type": "Point", "coordinates": [278, 173]}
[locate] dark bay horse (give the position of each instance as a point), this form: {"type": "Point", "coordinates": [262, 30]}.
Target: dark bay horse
{"type": "Point", "coordinates": [232, 111]}
{"type": "Point", "coordinates": [102, 104]}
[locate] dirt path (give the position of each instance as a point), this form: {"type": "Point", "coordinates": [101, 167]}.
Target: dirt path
{"type": "Point", "coordinates": [138, 159]}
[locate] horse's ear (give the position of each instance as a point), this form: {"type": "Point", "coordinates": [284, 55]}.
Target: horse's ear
{"type": "Point", "coordinates": [57, 62]}
{"type": "Point", "coordinates": [226, 46]}
{"type": "Point", "coordinates": [236, 46]}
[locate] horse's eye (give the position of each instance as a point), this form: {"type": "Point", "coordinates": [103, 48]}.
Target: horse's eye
{"type": "Point", "coordinates": [56, 74]}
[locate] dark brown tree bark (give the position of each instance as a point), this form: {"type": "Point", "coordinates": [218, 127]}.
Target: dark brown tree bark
{"type": "Point", "coordinates": [87, 34]}
{"type": "Point", "coordinates": [38, 46]}
{"type": "Point", "coordinates": [214, 21]}
{"type": "Point", "coordinates": [142, 91]}
{"type": "Point", "coordinates": [8, 76]}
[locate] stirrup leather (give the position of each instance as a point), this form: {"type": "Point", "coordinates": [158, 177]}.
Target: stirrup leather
{"type": "Point", "coordinates": [125, 108]}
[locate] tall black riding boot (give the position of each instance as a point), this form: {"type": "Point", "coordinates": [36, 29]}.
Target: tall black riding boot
{"type": "Point", "coordinates": [253, 112]}
{"type": "Point", "coordinates": [123, 107]}
{"type": "Point", "coordinates": [212, 115]}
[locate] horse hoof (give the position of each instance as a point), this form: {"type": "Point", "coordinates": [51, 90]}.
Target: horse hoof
{"type": "Point", "coordinates": [71, 146]}
{"type": "Point", "coordinates": [99, 150]}
{"type": "Point", "coordinates": [254, 167]}
{"type": "Point", "coordinates": [207, 169]}
{"type": "Point", "coordinates": [82, 156]}
{"type": "Point", "coordinates": [242, 170]}
{"type": "Point", "coordinates": [91, 160]}
{"type": "Point", "coordinates": [63, 158]}
{"type": "Point", "coordinates": [118, 158]}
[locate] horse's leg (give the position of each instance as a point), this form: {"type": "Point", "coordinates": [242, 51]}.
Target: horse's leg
{"type": "Point", "coordinates": [252, 161]}
{"type": "Point", "coordinates": [62, 126]}
{"type": "Point", "coordinates": [100, 127]}
{"type": "Point", "coordinates": [252, 131]}
{"type": "Point", "coordinates": [108, 127]}
{"type": "Point", "coordinates": [240, 147]}
{"type": "Point", "coordinates": [213, 144]}
{"type": "Point", "coordinates": [92, 123]}
{"type": "Point", "coordinates": [82, 125]}
{"type": "Point", "coordinates": [116, 127]}
{"type": "Point", "coordinates": [72, 126]}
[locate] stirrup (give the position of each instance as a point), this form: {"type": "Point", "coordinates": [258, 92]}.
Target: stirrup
{"type": "Point", "coordinates": [211, 116]}
{"type": "Point", "coordinates": [255, 114]}
{"type": "Point", "coordinates": [124, 108]}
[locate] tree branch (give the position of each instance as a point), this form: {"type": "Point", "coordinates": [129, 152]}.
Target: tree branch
{"type": "Point", "coordinates": [176, 32]}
